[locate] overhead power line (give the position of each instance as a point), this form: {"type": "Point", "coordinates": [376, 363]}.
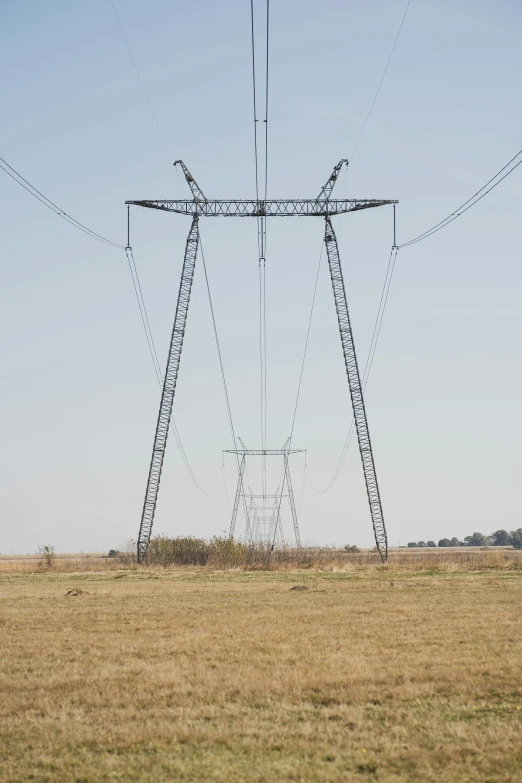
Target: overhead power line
{"type": "Point", "coordinates": [264, 221]}
{"type": "Point", "coordinates": [218, 347]}
{"type": "Point", "coordinates": [134, 275]}
{"type": "Point", "coordinates": [305, 350]}
{"type": "Point", "coordinates": [26, 185]}
{"type": "Point", "coordinates": [223, 376]}
{"type": "Point", "coordinates": [470, 202]}
{"type": "Point", "coordinates": [389, 274]}
{"type": "Point", "coordinates": [266, 93]}
{"type": "Point", "coordinates": [216, 336]}
{"type": "Point", "coordinates": [381, 81]}
{"type": "Point", "coordinates": [474, 199]}
{"type": "Point", "coordinates": [253, 48]}
{"type": "Point", "coordinates": [201, 244]}
{"type": "Point", "coordinates": [261, 223]}
{"type": "Point", "coordinates": [141, 80]}
{"type": "Point", "coordinates": [260, 228]}
{"type": "Point", "coordinates": [141, 305]}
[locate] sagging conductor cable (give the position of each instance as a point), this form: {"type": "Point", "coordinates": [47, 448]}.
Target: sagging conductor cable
{"type": "Point", "coordinates": [37, 194]}
{"type": "Point", "coordinates": [261, 230]}
{"type": "Point", "coordinates": [490, 185]}
{"type": "Point", "coordinates": [474, 199]}
{"type": "Point", "coordinates": [223, 377]}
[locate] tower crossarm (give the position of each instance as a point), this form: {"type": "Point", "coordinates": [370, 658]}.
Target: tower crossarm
{"type": "Point", "coordinates": [267, 497]}
{"type": "Point", "coordinates": [262, 452]}
{"type": "Point", "coordinates": [321, 207]}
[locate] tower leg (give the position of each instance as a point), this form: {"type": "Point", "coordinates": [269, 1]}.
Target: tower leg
{"type": "Point", "coordinates": [354, 382]}
{"type": "Point", "coordinates": [169, 388]}
{"type": "Point", "coordinates": [248, 528]}
{"type": "Point", "coordinates": [239, 492]}
{"type": "Point", "coordinates": [292, 501]}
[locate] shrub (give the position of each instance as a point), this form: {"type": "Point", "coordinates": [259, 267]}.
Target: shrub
{"type": "Point", "coordinates": [224, 552]}
{"type": "Point", "coordinates": [431, 543]}
{"type": "Point", "coordinates": [113, 553]}
{"type": "Point", "coordinates": [183, 550]}
{"type": "Point", "coordinates": [219, 552]}
{"type": "Point", "coordinates": [48, 554]}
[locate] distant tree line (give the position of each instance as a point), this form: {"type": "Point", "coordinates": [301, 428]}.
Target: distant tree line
{"type": "Point", "coordinates": [498, 538]}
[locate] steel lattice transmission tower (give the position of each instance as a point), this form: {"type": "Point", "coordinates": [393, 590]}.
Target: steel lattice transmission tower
{"type": "Point", "coordinates": [323, 206]}
{"type": "Point", "coordinates": [251, 509]}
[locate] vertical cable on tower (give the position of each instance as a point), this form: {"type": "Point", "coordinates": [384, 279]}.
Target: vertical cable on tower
{"type": "Point", "coordinates": [261, 230]}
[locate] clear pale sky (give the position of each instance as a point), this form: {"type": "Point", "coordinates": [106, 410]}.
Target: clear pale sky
{"type": "Point", "coordinates": [79, 397]}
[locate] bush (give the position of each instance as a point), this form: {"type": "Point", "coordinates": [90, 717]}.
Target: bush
{"type": "Point", "coordinates": [183, 550]}
{"type": "Point", "coordinates": [48, 554]}
{"type": "Point", "coordinates": [224, 552]}
{"type": "Point", "coordinates": [219, 552]}
{"type": "Point", "coordinates": [113, 553]}
{"type": "Point", "coordinates": [431, 543]}
{"type": "Point", "coordinates": [444, 542]}
{"type": "Point", "coordinates": [412, 544]}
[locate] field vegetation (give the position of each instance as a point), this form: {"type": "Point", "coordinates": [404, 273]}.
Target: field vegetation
{"type": "Point", "coordinates": [329, 670]}
{"type": "Point", "coordinates": [223, 553]}
{"type": "Point", "coordinates": [498, 538]}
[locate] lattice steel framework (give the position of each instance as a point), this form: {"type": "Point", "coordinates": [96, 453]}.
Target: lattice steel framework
{"type": "Point", "coordinates": [322, 206]}
{"type": "Point", "coordinates": [356, 392]}
{"type": "Point", "coordinates": [240, 492]}
{"type": "Point", "coordinates": [169, 388]}
{"type": "Point", "coordinates": [291, 500]}
{"type": "Point", "coordinates": [266, 527]}
{"type": "Point", "coordinates": [251, 509]}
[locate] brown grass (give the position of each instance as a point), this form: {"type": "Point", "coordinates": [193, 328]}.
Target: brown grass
{"type": "Point", "coordinates": [376, 673]}
{"type": "Point", "coordinates": [200, 556]}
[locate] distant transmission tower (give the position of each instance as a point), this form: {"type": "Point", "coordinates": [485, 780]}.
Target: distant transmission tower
{"type": "Point", "coordinates": [263, 512]}
{"type": "Point", "coordinates": [323, 207]}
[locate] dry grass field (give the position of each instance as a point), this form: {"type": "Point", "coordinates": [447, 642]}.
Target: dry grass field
{"type": "Point", "coordinates": [397, 673]}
